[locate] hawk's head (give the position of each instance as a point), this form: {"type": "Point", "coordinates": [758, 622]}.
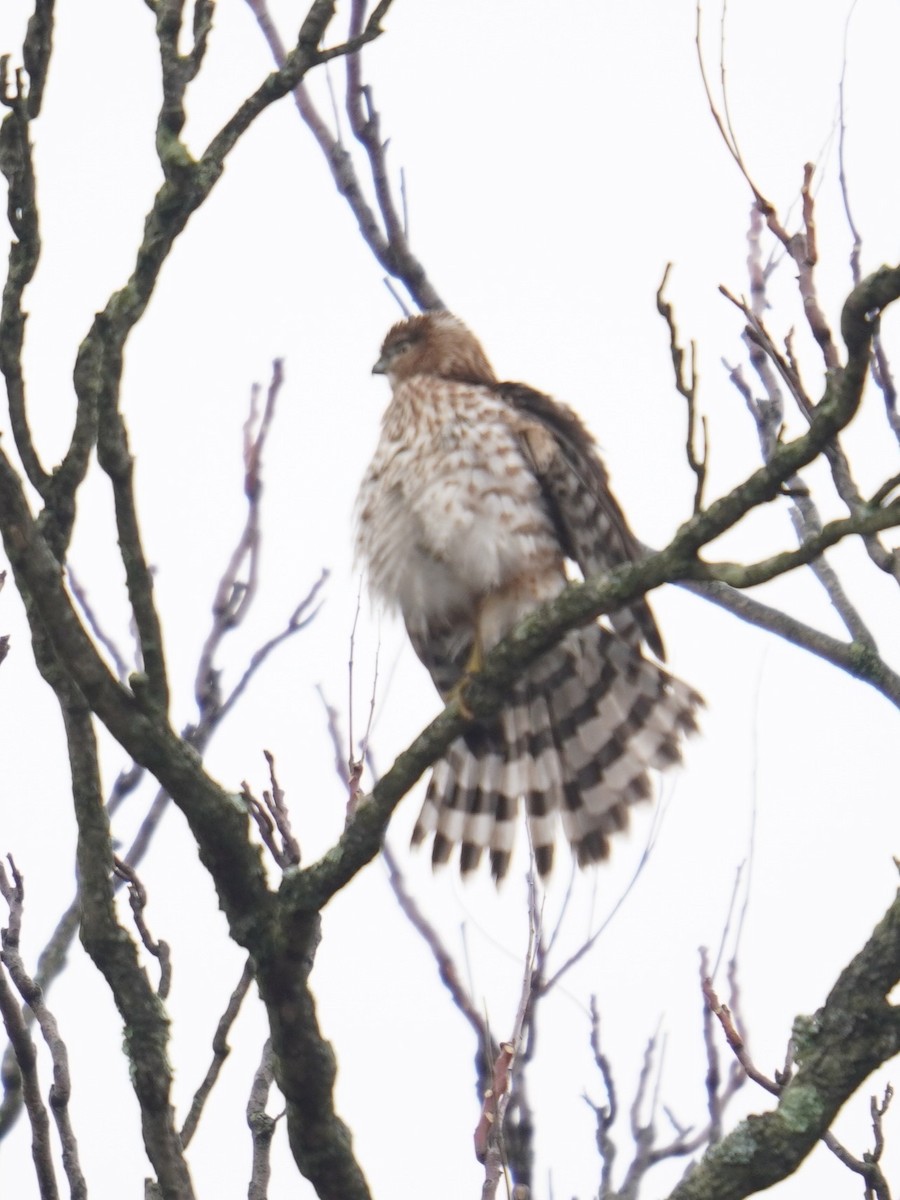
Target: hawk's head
{"type": "Point", "coordinates": [433, 343]}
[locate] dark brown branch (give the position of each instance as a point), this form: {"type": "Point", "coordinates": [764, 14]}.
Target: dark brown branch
{"type": "Point", "coordinates": [842, 476]}
{"type": "Point", "coordinates": [803, 251]}
{"type": "Point", "coordinates": [730, 1023]}
{"type": "Point", "coordinates": [735, 1039]}
{"type": "Point", "coordinates": [221, 1050]}
{"type": "Point", "coordinates": [724, 125]}
{"type": "Point", "coordinates": [188, 183]}
{"type": "Point", "coordinates": [36, 51]}
{"type": "Point", "coordinates": [137, 898]}
{"type": "Point", "coordinates": [201, 28]}
{"type": "Point", "coordinates": [268, 822]}
{"type": "Point", "coordinates": [353, 45]}
{"type": "Point", "coordinates": [766, 352]}
{"type": "Point", "coordinates": [713, 1072]}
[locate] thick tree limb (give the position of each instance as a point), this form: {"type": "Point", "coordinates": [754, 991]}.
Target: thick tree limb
{"type": "Point", "coordinates": [855, 1031]}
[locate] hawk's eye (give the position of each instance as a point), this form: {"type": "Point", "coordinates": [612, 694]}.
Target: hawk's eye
{"type": "Point", "coordinates": [400, 348]}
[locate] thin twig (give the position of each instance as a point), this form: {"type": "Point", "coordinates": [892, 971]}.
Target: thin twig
{"type": "Point", "coordinates": [604, 1114]}
{"type": "Point", "coordinates": [447, 968]}
{"type": "Point", "coordinates": [26, 1059]}
{"type": "Point", "coordinates": [488, 1135]}
{"type": "Point", "coordinates": [548, 984]}
{"type": "Point", "coordinates": [379, 226]}
{"type": "Point", "coordinates": [13, 892]}
{"type": "Point", "coordinates": [221, 1050]}
{"type": "Point", "coordinates": [137, 898]}
{"type": "Point", "coordinates": [122, 668]}
{"type": "Point", "coordinates": [697, 463]}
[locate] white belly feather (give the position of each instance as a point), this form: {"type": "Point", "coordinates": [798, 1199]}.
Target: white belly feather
{"type": "Point", "coordinates": [449, 511]}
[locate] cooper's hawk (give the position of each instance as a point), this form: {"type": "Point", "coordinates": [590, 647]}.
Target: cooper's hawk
{"type": "Point", "coordinates": [478, 493]}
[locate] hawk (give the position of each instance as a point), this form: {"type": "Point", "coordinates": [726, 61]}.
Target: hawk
{"type": "Point", "coordinates": [478, 494]}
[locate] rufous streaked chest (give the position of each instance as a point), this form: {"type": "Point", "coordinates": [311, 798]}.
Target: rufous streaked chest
{"type": "Point", "coordinates": [449, 510]}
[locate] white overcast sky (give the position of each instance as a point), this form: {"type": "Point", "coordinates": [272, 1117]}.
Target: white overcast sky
{"type": "Point", "coordinates": [556, 157]}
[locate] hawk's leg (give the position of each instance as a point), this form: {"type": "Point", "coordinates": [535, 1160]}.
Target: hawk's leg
{"type": "Point", "coordinates": [474, 663]}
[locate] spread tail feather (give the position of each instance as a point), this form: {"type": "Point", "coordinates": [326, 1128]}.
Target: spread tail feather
{"type": "Point", "coordinates": [577, 736]}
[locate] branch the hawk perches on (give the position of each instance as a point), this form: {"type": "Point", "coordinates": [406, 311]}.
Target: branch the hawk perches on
{"type": "Point", "coordinates": [478, 493]}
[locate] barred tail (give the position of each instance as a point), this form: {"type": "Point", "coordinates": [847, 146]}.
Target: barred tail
{"type": "Point", "coordinates": [578, 736]}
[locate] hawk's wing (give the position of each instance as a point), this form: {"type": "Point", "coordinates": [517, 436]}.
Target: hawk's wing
{"type": "Point", "coordinates": [590, 524]}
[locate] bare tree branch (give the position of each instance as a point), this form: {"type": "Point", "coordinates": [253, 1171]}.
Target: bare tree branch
{"type": "Point", "coordinates": [262, 1126]}
{"type": "Point", "coordinates": [489, 1147]}
{"type": "Point", "coordinates": [26, 1060]}
{"type": "Point", "coordinates": [213, 710]}
{"type": "Point", "coordinates": [221, 1050]}
{"type": "Point", "coordinates": [137, 898]}
{"type": "Point", "coordinates": [869, 1166]}
{"type": "Point", "coordinates": [447, 968]}
{"type": "Point", "coordinates": [384, 234]}
{"type": "Point", "coordinates": [830, 1067]}
{"type": "Point", "coordinates": [857, 660]}
{"type": "Point", "coordinates": [13, 893]}
{"type": "Point", "coordinates": [688, 390]}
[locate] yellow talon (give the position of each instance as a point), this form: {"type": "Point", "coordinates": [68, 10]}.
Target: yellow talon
{"type": "Point", "coordinates": [476, 658]}
{"type": "Point", "coordinates": [456, 693]}
{"type": "Point", "coordinates": [473, 665]}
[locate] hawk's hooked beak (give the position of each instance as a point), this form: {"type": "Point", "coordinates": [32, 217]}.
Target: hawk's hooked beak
{"type": "Point", "coordinates": [380, 367]}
